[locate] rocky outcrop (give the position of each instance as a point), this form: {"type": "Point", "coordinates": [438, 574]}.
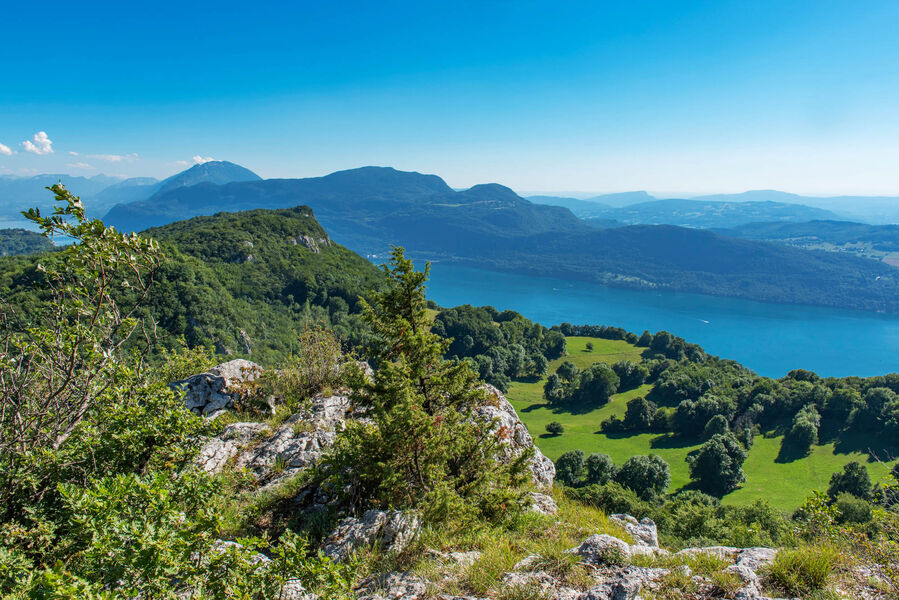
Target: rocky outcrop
{"type": "Point", "coordinates": [272, 455]}
{"type": "Point", "coordinates": [310, 242]}
{"type": "Point", "coordinates": [602, 549]}
{"type": "Point", "coordinates": [217, 451]}
{"type": "Point", "coordinates": [644, 532]}
{"type": "Point", "coordinates": [543, 504]}
{"type": "Point", "coordinates": [392, 531]}
{"type": "Point", "coordinates": [218, 388]}
{"type": "Point", "coordinates": [298, 442]}
{"type": "Point", "coordinates": [515, 436]}
{"type": "Point", "coordinates": [392, 586]}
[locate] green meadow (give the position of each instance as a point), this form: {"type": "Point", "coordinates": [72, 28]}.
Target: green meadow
{"type": "Point", "coordinates": [785, 485]}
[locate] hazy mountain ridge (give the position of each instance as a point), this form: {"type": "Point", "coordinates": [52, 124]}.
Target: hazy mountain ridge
{"type": "Point", "coordinates": [490, 226]}
{"type": "Point", "coordinates": [707, 214]}
{"type": "Point", "coordinates": [880, 242]}
{"type": "Point", "coordinates": [366, 208]}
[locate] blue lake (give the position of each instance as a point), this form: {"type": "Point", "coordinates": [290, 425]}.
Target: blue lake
{"type": "Point", "coordinates": [771, 339]}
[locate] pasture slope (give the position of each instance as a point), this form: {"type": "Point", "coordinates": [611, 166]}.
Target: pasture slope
{"type": "Point", "coordinates": [784, 485]}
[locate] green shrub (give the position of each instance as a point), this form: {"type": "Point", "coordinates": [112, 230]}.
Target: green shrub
{"type": "Point", "coordinates": [853, 479]}
{"type": "Point", "coordinates": [555, 428]}
{"type": "Point", "coordinates": [853, 509]}
{"type": "Point", "coordinates": [612, 498]}
{"type": "Point", "coordinates": [570, 467]}
{"type": "Point", "coordinates": [648, 476]}
{"type": "Point", "coordinates": [801, 571]}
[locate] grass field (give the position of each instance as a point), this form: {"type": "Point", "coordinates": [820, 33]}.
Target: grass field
{"type": "Point", "coordinates": [784, 485]}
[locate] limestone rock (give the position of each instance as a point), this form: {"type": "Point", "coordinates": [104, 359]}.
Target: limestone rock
{"type": "Point", "coordinates": [392, 531]}
{"type": "Point", "coordinates": [600, 549]}
{"type": "Point", "coordinates": [543, 504]}
{"type": "Point", "coordinates": [623, 584]}
{"type": "Point", "coordinates": [540, 583]}
{"type": "Point", "coordinates": [393, 586]}
{"type": "Point", "coordinates": [296, 444]}
{"type": "Point", "coordinates": [217, 388]}
{"type": "Point", "coordinates": [217, 451]}
{"type": "Point", "coordinates": [725, 552]}
{"type": "Point", "coordinates": [644, 531]}
{"type": "Point", "coordinates": [753, 558]}
{"type": "Point", "coordinates": [515, 436]}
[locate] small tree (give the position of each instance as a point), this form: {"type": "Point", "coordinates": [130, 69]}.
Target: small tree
{"type": "Point", "coordinates": [718, 467]}
{"type": "Point", "coordinates": [539, 365]}
{"type": "Point", "coordinates": [55, 370]}
{"type": "Point", "coordinates": [570, 468]}
{"type": "Point", "coordinates": [596, 384]}
{"type": "Point", "coordinates": [648, 476]}
{"type": "Point", "coordinates": [630, 374]}
{"type": "Point", "coordinates": [555, 428]}
{"type": "Point", "coordinates": [553, 390]}
{"type": "Point", "coordinates": [853, 479]}
{"type": "Point", "coordinates": [424, 445]}
{"type": "Point", "coordinates": [640, 414]}
{"type": "Point", "coordinates": [804, 431]}
{"type": "Point", "coordinates": [589, 346]}
{"type": "Point", "coordinates": [567, 371]}
{"type": "Point", "coordinates": [717, 425]}
{"type": "Point", "coordinates": [600, 469]}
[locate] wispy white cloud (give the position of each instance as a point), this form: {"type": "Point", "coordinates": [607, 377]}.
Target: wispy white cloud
{"type": "Point", "coordinates": [114, 157]}
{"type": "Point", "coordinates": [39, 144]}
{"type": "Point", "coordinates": [194, 160]}
{"type": "Point", "coordinates": [72, 153]}
{"type": "Point", "coordinates": [81, 165]}
{"type": "Point", "coordinates": [5, 150]}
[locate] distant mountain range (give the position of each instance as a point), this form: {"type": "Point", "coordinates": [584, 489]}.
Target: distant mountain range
{"type": "Point", "coordinates": [367, 208]}
{"type": "Point", "coordinates": [727, 210]}
{"type": "Point", "coordinates": [703, 214]}
{"type": "Point", "coordinates": [100, 193]}
{"type": "Point", "coordinates": [490, 226]}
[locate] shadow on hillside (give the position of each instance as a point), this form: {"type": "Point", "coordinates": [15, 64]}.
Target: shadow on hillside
{"type": "Point", "coordinates": [790, 451]}
{"type": "Point", "coordinates": [670, 441]}
{"type": "Point", "coordinates": [880, 447]}
{"type": "Point", "coordinates": [533, 407]}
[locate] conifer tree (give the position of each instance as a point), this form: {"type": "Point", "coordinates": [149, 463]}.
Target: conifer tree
{"type": "Point", "coordinates": [424, 444]}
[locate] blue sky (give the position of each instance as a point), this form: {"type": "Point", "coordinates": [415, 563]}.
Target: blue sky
{"type": "Point", "coordinates": [685, 97]}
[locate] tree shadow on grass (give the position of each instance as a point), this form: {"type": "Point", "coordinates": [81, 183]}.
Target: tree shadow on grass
{"type": "Point", "coordinates": [673, 441]}
{"type": "Point", "coordinates": [791, 451]}
{"type": "Point", "coordinates": [533, 407]}
{"type": "Point", "coordinates": [876, 447]}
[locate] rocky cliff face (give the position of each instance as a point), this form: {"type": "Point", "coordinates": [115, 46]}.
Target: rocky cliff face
{"type": "Point", "coordinates": [302, 439]}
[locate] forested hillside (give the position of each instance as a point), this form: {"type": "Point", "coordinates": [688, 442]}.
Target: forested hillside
{"type": "Point", "coordinates": [21, 241]}
{"type": "Point", "coordinates": [242, 284]}
{"type": "Point", "coordinates": [880, 242]}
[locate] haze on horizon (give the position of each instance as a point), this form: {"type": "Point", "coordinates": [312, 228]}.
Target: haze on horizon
{"type": "Point", "coordinates": [673, 98]}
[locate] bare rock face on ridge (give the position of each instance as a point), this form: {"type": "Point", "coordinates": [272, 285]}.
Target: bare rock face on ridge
{"type": "Point", "coordinates": [216, 389]}
{"type": "Point", "coordinates": [272, 455]}
{"type": "Point", "coordinates": [515, 436]}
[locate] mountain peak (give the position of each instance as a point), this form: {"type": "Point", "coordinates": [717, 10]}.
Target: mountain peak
{"type": "Point", "coordinates": [372, 177]}
{"type": "Point", "coordinates": [215, 171]}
